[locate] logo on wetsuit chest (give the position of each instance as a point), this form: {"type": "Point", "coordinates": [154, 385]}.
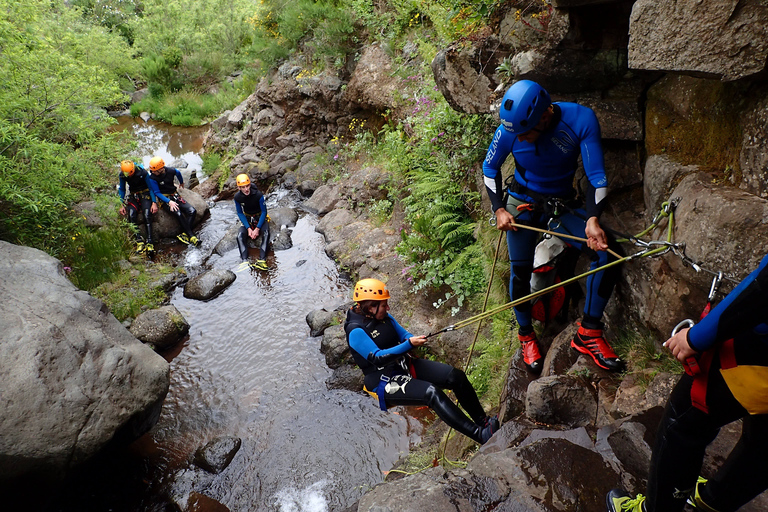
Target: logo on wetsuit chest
{"type": "Point", "coordinates": [375, 334]}
{"type": "Point", "coordinates": [564, 142]}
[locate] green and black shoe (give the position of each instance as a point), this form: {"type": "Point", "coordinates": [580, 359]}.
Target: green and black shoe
{"type": "Point", "coordinates": [619, 500]}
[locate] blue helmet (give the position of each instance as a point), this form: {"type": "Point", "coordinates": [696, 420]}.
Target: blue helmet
{"type": "Point", "coordinates": [522, 106]}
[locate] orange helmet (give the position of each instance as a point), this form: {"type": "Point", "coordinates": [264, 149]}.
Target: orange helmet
{"type": "Point", "coordinates": [242, 180]}
{"type": "Point", "coordinates": [127, 167]}
{"type": "Point", "coordinates": [370, 289]}
{"type": "Point", "coordinates": [156, 163]}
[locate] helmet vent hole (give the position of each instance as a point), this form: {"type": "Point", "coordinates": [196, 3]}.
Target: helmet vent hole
{"type": "Point", "coordinates": [523, 122]}
{"type": "Point", "coordinates": [508, 104]}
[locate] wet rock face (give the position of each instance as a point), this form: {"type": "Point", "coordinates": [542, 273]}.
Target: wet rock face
{"type": "Point", "coordinates": [161, 328]}
{"type": "Point", "coordinates": [216, 455]}
{"type": "Point", "coordinates": [209, 284]}
{"type": "Point", "coordinates": [73, 378]}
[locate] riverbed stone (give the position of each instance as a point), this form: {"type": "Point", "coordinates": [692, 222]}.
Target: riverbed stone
{"type": "Point", "coordinates": [74, 379]}
{"type": "Point", "coordinates": [217, 454]}
{"type": "Point", "coordinates": [348, 377]}
{"type": "Point", "coordinates": [161, 328]}
{"type": "Point", "coordinates": [283, 216]}
{"type": "Point", "coordinates": [282, 241]}
{"type": "Point", "coordinates": [334, 347]}
{"type": "Point", "coordinates": [209, 284]}
{"type": "Point", "coordinates": [320, 319]}
{"type": "Point", "coordinates": [561, 399]}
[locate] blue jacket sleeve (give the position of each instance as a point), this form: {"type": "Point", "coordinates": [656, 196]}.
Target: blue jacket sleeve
{"type": "Point", "coordinates": [149, 181]}
{"type": "Point", "coordinates": [121, 187]}
{"type": "Point", "coordinates": [263, 217]}
{"type": "Point", "coordinates": [154, 189]}
{"type": "Point", "coordinates": [743, 309]}
{"type": "Point", "coordinates": [361, 343]}
{"type": "Point", "coordinates": [179, 176]}
{"type": "Point", "coordinates": [594, 162]}
{"type": "Point", "coordinates": [498, 151]}
{"type": "Point", "coordinates": [241, 215]}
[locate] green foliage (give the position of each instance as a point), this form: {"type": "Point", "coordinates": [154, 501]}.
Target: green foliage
{"type": "Point", "coordinates": [487, 368]}
{"type": "Point", "coordinates": [129, 291]}
{"type": "Point", "coordinates": [322, 29]}
{"type": "Point", "coordinates": [640, 351]}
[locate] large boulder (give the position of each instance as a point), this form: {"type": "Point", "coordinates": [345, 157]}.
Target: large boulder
{"type": "Point", "coordinates": [727, 39]}
{"type": "Point", "coordinates": [74, 379]}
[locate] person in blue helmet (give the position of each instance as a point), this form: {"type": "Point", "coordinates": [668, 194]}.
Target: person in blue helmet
{"type": "Point", "coordinates": [731, 348]}
{"type": "Point", "coordinates": [142, 197]}
{"type": "Point", "coordinates": [252, 212]}
{"type": "Point", "coordinates": [380, 348]}
{"type": "Point", "coordinates": [546, 140]}
{"type": "Point", "coordinates": [165, 190]}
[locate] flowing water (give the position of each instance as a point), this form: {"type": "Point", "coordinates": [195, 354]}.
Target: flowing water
{"type": "Point", "coordinates": [250, 369]}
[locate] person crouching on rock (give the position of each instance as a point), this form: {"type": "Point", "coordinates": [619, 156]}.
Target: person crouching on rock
{"type": "Point", "coordinates": [380, 348]}
{"type": "Point", "coordinates": [252, 212]}
{"type": "Point", "coordinates": [165, 190]}
{"type": "Point", "coordinates": [141, 197]}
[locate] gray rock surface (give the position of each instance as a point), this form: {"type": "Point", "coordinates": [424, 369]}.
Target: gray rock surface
{"type": "Point", "coordinates": [74, 379]}
{"type": "Point", "coordinates": [209, 284]}
{"type": "Point", "coordinates": [161, 328]}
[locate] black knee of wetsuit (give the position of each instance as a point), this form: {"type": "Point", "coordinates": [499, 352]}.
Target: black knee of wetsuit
{"type": "Point", "coordinates": [451, 414]}
{"type": "Point", "coordinates": [133, 218]}
{"type": "Point", "coordinates": [521, 284]}
{"type": "Point", "coordinates": [148, 222]}
{"type": "Point", "coordinates": [458, 382]}
{"type": "Point", "coordinates": [242, 243]}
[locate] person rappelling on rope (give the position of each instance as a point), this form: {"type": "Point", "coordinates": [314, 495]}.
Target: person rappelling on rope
{"type": "Point", "coordinates": [380, 348]}
{"type": "Point", "coordinates": [546, 140]}
{"type": "Point", "coordinates": [252, 212]}
{"type": "Point", "coordinates": [731, 383]}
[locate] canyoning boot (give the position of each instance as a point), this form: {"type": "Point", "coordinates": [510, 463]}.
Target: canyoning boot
{"type": "Point", "coordinates": [592, 343]}
{"type": "Point", "coordinates": [244, 265]}
{"type": "Point", "coordinates": [260, 265]}
{"type": "Point", "coordinates": [696, 501]}
{"type": "Point", "coordinates": [140, 247]}
{"type": "Point", "coordinates": [183, 238]}
{"type": "Point", "coordinates": [529, 344]}
{"type": "Point", "coordinates": [149, 248]}
{"type": "Point", "coordinates": [194, 240]}
{"type": "Point", "coordinates": [618, 500]}
{"type": "Point", "coordinates": [492, 421]}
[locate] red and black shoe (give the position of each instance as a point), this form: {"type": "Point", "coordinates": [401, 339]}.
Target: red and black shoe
{"type": "Point", "coordinates": [592, 343]}
{"type": "Point", "coordinates": [529, 344]}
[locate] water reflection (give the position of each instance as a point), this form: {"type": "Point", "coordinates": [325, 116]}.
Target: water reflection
{"type": "Point", "coordinates": [172, 143]}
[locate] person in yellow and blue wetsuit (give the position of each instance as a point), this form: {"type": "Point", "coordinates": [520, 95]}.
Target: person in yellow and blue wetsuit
{"type": "Point", "coordinates": [730, 345]}
{"type": "Point", "coordinates": [165, 190]}
{"type": "Point", "coordinates": [252, 212]}
{"type": "Point", "coordinates": [380, 348]}
{"type": "Point", "coordinates": [546, 140]}
{"type": "Point", "coordinates": [141, 197]}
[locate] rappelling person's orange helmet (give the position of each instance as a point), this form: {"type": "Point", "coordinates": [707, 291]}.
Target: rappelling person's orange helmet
{"type": "Point", "coordinates": [242, 180]}
{"type": "Point", "coordinates": [156, 163]}
{"type": "Point", "coordinates": [127, 167]}
{"type": "Point", "coordinates": [370, 289]}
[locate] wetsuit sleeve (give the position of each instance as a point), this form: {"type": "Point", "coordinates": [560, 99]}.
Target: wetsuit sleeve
{"type": "Point", "coordinates": [148, 180]}
{"type": "Point", "coordinates": [241, 215]}
{"type": "Point", "coordinates": [155, 189]}
{"type": "Point", "coordinates": [263, 217]}
{"type": "Point", "coordinates": [179, 176]}
{"type": "Point", "coordinates": [361, 343]}
{"type": "Point", "coordinates": [743, 309]}
{"type": "Point", "coordinates": [594, 163]}
{"type": "Point", "coordinates": [121, 187]}
{"type": "Point", "coordinates": [497, 153]}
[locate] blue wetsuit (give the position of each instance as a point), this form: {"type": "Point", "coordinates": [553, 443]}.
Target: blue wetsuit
{"type": "Point", "coordinates": [734, 338]}
{"type": "Point", "coordinates": [545, 169]}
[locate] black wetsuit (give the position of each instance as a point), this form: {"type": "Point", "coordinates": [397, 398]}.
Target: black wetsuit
{"type": "Point", "coordinates": [252, 212]}
{"type": "Point", "coordinates": [734, 337]}
{"type": "Point", "coordinates": [141, 196]}
{"type": "Point", "coordinates": [380, 348]}
{"type": "Point", "coordinates": [165, 190]}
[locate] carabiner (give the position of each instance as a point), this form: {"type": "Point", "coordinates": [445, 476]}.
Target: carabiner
{"type": "Point", "coordinates": [685, 323]}
{"type": "Point", "coordinates": [715, 285]}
